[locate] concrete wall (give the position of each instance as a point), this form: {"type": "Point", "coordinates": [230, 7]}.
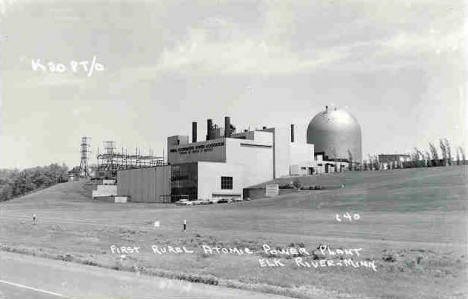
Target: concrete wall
{"type": "Point", "coordinates": [301, 153]}
{"type": "Point", "coordinates": [145, 184]}
{"type": "Point", "coordinates": [104, 190]}
{"type": "Point", "coordinates": [255, 159]}
{"type": "Point", "coordinates": [291, 157]}
{"type": "Point", "coordinates": [209, 180]}
{"type": "Point", "coordinates": [282, 137]}
{"type": "Point", "coordinates": [249, 162]}
{"type": "Point", "coordinates": [300, 133]}
{"type": "Point", "coordinates": [301, 159]}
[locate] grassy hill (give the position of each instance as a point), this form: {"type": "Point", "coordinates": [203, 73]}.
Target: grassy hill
{"type": "Point", "coordinates": [412, 223]}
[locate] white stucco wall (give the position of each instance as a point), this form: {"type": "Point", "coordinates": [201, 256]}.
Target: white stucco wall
{"type": "Point", "coordinates": [209, 179]}
{"type": "Point", "coordinates": [282, 137]}
{"type": "Point", "coordinates": [254, 157]}
{"type": "Point", "coordinates": [300, 133]}
{"type": "Point", "coordinates": [291, 156]}
{"type": "Point", "coordinates": [248, 162]}
{"type": "Point", "coordinates": [301, 153]}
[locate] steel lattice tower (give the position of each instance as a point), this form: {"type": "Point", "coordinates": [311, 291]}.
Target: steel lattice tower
{"type": "Point", "coordinates": [85, 151]}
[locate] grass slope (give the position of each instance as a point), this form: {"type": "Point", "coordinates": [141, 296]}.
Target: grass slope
{"type": "Point", "coordinates": [413, 223]}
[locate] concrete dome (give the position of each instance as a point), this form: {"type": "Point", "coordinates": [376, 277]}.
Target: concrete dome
{"type": "Point", "coordinates": [335, 132]}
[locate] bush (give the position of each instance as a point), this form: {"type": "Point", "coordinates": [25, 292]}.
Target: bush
{"type": "Point", "coordinates": [297, 184]}
{"type": "Point", "coordinates": [286, 186]}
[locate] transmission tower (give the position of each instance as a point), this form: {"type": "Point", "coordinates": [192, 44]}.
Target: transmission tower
{"type": "Point", "coordinates": [85, 151]}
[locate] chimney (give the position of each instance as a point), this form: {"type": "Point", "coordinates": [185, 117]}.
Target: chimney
{"type": "Point", "coordinates": [292, 133]}
{"type": "Point", "coordinates": [227, 126]}
{"type": "Point", "coordinates": [209, 129]}
{"type": "Point", "coordinates": [326, 108]}
{"type": "Point", "coordinates": [194, 131]}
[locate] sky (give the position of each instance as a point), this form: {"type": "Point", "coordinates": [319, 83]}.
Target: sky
{"type": "Point", "coordinates": [397, 66]}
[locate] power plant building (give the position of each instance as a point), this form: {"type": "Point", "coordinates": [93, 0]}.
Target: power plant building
{"type": "Point", "coordinates": [226, 162]}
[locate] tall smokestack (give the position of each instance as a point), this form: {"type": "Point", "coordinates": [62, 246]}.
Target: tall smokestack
{"type": "Point", "coordinates": [209, 129]}
{"type": "Point", "coordinates": [292, 133]}
{"type": "Point", "coordinates": [194, 131]}
{"type": "Point", "coordinates": [227, 126]}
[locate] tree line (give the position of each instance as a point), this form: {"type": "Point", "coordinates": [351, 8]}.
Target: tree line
{"type": "Point", "coordinates": [15, 183]}
{"type": "Point", "coordinates": [431, 157]}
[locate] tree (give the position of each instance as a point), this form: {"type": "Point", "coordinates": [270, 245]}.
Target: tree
{"type": "Point", "coordinates": [449, 151]}
{"type": "Point", "coordinates": [427, 157]}
{"type": "Point", "coordinates": [462, 154]}
{"type": "Point", "coordinates": [350, 160]}
{"type": "Point", "coordinates": [421, 160]}
{"type": "Point", "coordinates": [376, 163]}
{"type": "Point", "coordinates": [297, 184]}
{"type": "Point", "coordinates": [435, 155]}
{"type": "Point", "coordinates": [443, 149]}
{"type": "Point", "coordinates": [333, 153]}
{"type": "Point", "coordinates": [415, 157]}
{"type": "Point", "coordinates": [371, 163]}
{"type": "Point", "coordinates": [16, 183]}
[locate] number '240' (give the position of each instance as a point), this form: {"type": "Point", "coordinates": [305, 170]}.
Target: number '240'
{"type": "Point", "coordinates": [347, 216]}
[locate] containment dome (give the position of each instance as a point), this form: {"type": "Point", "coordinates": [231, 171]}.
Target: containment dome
{"type": "Point", "coordinates": [336, 133]}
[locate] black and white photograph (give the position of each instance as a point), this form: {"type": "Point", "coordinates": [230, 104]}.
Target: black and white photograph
{"type": "Point", "coordinates": [259, 149]}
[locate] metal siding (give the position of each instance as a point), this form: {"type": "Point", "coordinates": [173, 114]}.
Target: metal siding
{"type": "Point", "coordinates": [154, 191]}
{"type": "Point", "coordinates": [119, 186]}
{"type": "Point", "coordinates": [162, 183]}
{"type": "Point", "coordinates": [134, 185]}
{"type": "Point", "coordinates": [140, 191]}
{"type": "Point", "coordinates": [145, 178]}
{"type": "Point", "coordinates": [145, 184]}
{"type": "Point", "coordinates": [150, 184]}
{"type": "Point", "coordinates": [123, 183]}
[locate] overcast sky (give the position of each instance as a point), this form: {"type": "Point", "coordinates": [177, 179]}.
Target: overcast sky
{"type": "Point", "coordinates": [397, 66]}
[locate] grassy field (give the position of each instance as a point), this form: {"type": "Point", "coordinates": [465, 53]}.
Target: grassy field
{"type": "Point", "coordinates": [412, 223]}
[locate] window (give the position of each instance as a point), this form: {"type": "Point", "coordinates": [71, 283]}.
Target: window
{"type": "Point", "coordinates": [226, 182]}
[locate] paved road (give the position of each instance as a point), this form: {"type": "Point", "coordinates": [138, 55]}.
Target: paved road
{"type": "Point", "coordinates": [23, 277]}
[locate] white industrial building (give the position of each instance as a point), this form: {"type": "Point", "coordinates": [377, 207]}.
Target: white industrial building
{"type": "Point", "coordinates": [227, 161]}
